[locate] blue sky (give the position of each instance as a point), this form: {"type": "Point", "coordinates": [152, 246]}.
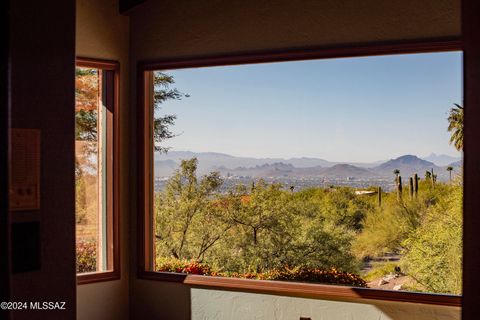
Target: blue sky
{"type": "Point", "coordinates": [350, 109]}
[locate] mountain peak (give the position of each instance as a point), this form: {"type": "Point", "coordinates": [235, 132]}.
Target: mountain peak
{"type": "Point", "coordinates": [407, 164]}
{"type": "Point", "coordinates": [347, 170]}
{"type": "Point", "coordinates": [408, 158]}
{"type": "Point", "coordinates": [344, 165]}
{"type": "Point", "coordinates": [441, 159]}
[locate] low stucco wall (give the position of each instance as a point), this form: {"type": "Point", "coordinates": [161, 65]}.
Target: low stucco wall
{"type": "Point", "coordinates": [167, 300]}
{"type": "Point", "coordinates": [224, 305]}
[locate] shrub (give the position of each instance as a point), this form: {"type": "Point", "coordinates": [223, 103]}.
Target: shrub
{"type": "Point", "coordinates": [86, 256]}
{"type": "Point", "coordinates": [387, 227]}
{"type": "Point", "coordinates": [303, 274]}
{"type": "Point", "coordinates": [182, 266]}
{"type": "Point", "coordinates": [331, 276]}
{"type": "Point", "coordinates": [433, 253]}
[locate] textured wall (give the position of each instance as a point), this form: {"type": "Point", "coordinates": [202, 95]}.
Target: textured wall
{"type": "Point", "coordinates": [160, 300]}
{"type": "Point", "coordinates": [166, 300]}
{"type": "Point", "coordinates": [172, 28]}
{"type": "Point", "coordinates": [224, 305]}
{"type": "Point", "coordinates": [103, 33]}
{"type": "Point", "coordinates": [188, 28]}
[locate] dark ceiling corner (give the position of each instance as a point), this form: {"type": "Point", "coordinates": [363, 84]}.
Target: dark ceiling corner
{"type": "Point", "coordinates": [126, 5]}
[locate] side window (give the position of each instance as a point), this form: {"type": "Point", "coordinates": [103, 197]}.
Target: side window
{"type": "Point", "coordinates": [95, 163]}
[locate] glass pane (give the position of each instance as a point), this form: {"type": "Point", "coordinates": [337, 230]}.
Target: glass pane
{"type": "Point", "coordinates": [89, 172]}
{"type": "Point", "coordinates": [341, 171]}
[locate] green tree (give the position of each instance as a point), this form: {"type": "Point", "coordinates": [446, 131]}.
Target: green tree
{"type": "Point", "coordinates": [162, 92]}
{"type": "Point", "coordinates": [188, 223]}
{"type": "Point", "coordinates": [274, 228]}
{"type": "Point", "coordinates": [455, 126]}
{"type": "Point", "coordinates": [263, 227]}
{"type": "Point", "coordinates": [344, 208]}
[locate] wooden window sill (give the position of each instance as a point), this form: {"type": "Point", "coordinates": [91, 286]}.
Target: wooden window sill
{"type": "Point", "coordinates": [91, 277]}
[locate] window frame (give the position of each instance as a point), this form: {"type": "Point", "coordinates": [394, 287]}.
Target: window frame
{"type": "Point", "coordinates": [144, 228]}
{"type": "Point", "coordinates": [112, 202]}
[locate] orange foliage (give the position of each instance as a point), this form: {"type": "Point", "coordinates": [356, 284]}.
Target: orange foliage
{"type": "Point", "coordinates": [87, 89]}
{"type": "Point", "coordinates": [245, 199]}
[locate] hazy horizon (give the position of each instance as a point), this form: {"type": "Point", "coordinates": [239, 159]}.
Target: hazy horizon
{"type": "Point", "coordinates": [344, 110]}
{"type": "Point", "coordinates": [421, 156]}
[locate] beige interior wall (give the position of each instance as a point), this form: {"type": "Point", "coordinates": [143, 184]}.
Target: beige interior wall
{"type": "Point", "coordinates": [103, 33]}
{"type": "Point", "coordinates": [187, 28]}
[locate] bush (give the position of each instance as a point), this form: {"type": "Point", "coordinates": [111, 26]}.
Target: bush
{"type": "Point", "coordinates": [331, 276]}
{"type": "Point", "coordinates": [433, 253]}
{"type": "Point", "coordinates": [86, 256]}
{"type": "Point", "coordinates": [182, 266]}
{"type": "Point", "coordinates": [387, 227]}
{"type": "Point", "coordinates": [303, 274]}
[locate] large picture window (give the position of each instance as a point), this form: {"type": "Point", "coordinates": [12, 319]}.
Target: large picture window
{"type": "Point", "coordinates": [344, 171]}
{"type": "Point", "coordinates": [95, 167]}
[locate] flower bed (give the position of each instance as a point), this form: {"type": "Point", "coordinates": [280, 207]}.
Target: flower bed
{"type": "Point", "coordinates": [86, 256]}
{"type": "Point", "coordinates": [302, 274]}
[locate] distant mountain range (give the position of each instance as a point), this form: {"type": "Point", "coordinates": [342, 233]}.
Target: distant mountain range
{"type": "Point", "coordinates": [441, 159]}
{"type": "Point", "coordinates": [165, 164]}
{"type": "Point", "coordinates": [280, 169]}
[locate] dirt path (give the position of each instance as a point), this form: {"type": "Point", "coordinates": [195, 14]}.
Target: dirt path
{"type": "Point", "coordinates": [397, 283]}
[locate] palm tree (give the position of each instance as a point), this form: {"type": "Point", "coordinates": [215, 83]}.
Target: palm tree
{"type": "Point", "coordinates": [449, 169]}
{"type": "Point", "coordinates": [455, 126]}
{"type": "Point", "coordinates": [396, 172]}
{"type": "Point", "coordinates": [428, 175]}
